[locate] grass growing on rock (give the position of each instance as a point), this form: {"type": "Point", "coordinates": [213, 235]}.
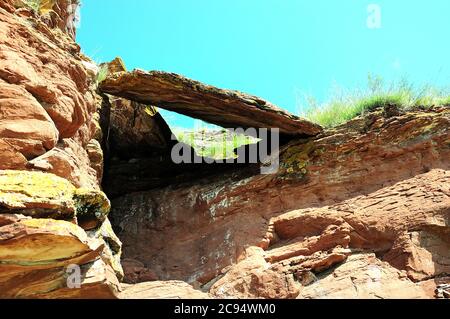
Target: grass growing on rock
{"type": "Point", "coordinates": [102, 74]}
{"type": "Point", "coordinates": [345, 106]}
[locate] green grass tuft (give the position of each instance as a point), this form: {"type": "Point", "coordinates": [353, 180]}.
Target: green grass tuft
{"type": "Point", "coordinates": [345, 106]}
{"type": "Point", "coordinates": [445, 101]}
{"type": "Point", "coordinates": [102, 74]}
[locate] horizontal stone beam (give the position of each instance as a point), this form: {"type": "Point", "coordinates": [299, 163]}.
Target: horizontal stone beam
{"type": "Point", "coordinates": [226, 108]}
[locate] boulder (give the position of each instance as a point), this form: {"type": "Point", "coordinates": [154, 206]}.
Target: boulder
{"type": "Point", "coordinates": [98, 282]}
{"type": "Point", "coordinates": [36, 252]}
{"type": "Point", "coordinates": [229, 109]}
{"type": "Point", "coordinates": [25, 245]}
{"type": "Point", "coordinates": [255, 278]}
{"type": "Point", "coordinates": [25, 127]}
{"type": "Point", "coordinates": [115, 66]}
{"type": "Point", "coordinates": [10, 158]}
{"type": "Point", "coordinates": [70, 160]}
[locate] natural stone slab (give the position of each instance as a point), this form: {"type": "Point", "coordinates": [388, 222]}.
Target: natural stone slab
{"type": "Point", "coordinates": [226, 108]}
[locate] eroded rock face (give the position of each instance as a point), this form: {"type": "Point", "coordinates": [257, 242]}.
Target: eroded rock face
{"type": "Point", "coordinates": [29, 269]}
{"type": "Point", "coordinates": [359, 211]}
{"type": "Point", "coordinates": [35, 251]}
{"type": "Point", "coordinates": [70, 160]}
{"type": "Point", "coordinates": [229, 109]}
{"type": "Point", "coordinates": [47, 99]}
{"type": "Point", "coordinates": [45, 63]}
{"type": "Point", "coordinates": [50, 122]}
{"type": "Point", "coordinates": [24, 125]}
{"type": "Point", "coordinates": [378, 184]}
{"type": "Point", "coordinates": [42, 195]}
{"type": "Point", "coordinates": [254, 277]}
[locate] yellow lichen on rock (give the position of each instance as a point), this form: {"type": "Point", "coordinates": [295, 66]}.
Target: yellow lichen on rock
{"type": "Point", "coordinates": [44, 195]}
{"type": "Point", "coordinates": [295, 159]}
{"type": "Point", "coordinates": [57, 227]}
{"type": "Point", "coordinates": [16, 186]}
{"type": "Point", "coordinates": [46, 6]}
{"type": "Point", "coordinates": [36, 194]}
{"type": "Point", "coordinates": [91, 207]}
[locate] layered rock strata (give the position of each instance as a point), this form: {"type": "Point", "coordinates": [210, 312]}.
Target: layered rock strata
{"type": "Point", "coordinates": [226, 108]}
{"type": "Point", "coordinates": [371, 195]}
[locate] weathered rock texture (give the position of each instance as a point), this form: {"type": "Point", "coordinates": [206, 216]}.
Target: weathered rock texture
{"type": "Point", "coordinates": [372, 196]}
{"type": "Point", "coordinates": [136, 130]}
{"type": "Point", "coordinates": [162, 290]}
{"type": "Point", "coordinates": [35, 250]}
{"type": "Point", "coordinates": [35, 254]}
{"type": "Point", "coordinates": [53, 214]}
{"type": "Point", "coordinates": [47, 99]}
{"type": "Point", "coordinates": [364, 276]}
{"type": "Point", "coordinates": [229, 109]}
{"type": "Point", "coordinates": [359, 211]}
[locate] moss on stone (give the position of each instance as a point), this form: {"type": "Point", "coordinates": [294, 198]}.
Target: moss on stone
{"type": "Point", "coordinates": [297, 158]}
{"type": "Point", "coordinates": [91, 206]}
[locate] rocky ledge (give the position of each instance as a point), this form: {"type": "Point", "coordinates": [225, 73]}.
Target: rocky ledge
{"type": "Point", "coordinates": [359, 211]}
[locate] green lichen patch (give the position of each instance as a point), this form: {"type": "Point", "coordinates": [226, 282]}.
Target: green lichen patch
{"type": "Point", "coordinates": [16, 185]}
{"type": "Point", "coordinates": [91, 206]}
{"type": "Point", "coordinates": [43, 195]}
{"type": "Point", "coordinates": [296, 158]}
{"type": "Point", "coordinates": [36, 194]}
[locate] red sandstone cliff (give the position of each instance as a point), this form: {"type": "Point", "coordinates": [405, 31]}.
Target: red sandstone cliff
{"type": "Point", "coordinates": [52, 212]}
{"type": "Point", "coordinates": [358, 211]}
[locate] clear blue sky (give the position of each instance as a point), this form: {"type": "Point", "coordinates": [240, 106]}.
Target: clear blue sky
{"type": "Point", "coordinates": [272, 48]}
